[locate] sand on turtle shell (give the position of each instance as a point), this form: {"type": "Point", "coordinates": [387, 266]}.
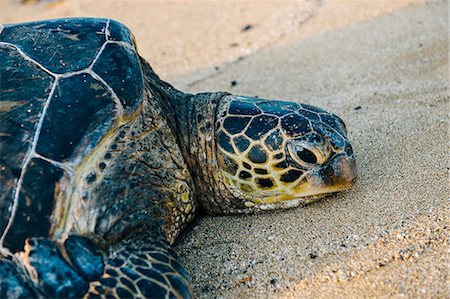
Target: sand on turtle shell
{"type": "Point", "coordinates": [381, 66]}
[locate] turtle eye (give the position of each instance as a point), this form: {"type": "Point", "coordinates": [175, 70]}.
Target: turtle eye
{"type": "Point", "coordinates": [306, 156]}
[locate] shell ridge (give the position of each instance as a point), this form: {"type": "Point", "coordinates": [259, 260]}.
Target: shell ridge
{"type": "Point", "coordinates": [116, 99]}
{"type": "Point", "coordinates": [106, 30]}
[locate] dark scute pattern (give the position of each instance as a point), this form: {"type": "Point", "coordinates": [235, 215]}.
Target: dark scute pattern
{"type": "Point", "coordinates": [85, 257]}
{"type": "Point", "coordinates": [112, 272]}
{"type": "Point", "coordinates": [99, 288]}
{"type": "Point", "coordinates": [162, 268]}
{"type": "Point", "coordinates": [149, 273]}
{"type": "Point", "coordinates": [123, 293]}
{"type": "Point", "coordinates": [151, 289]}
{"type": "Point", "coordinates": [138, 261]}
{"type": "Point", "coordinates": [242, 143]}
{"type": "Point", "coordinates": [128, 283]}
{"type": "Point", "coordinates": [310, 115]}
{"type": "Point", "coordinates": [108, 282]}
{"type": "Point", "coordinates": [274, 140]}
{"type": "Point", "coordinates": [93, 296]}
{"type": "Point", "coordinates": [279, 108]}
{"type": "Point", "coordinates": [283, 164]}
{"type": "Point", "coordinates": [257, 154]}
{"type": "Point", "coordinates": [278, 156]}
{"type": "Point", "coordinates": [121, 69]}
{"type": "Point", "coordinates": [130, 273]}
{"type": "Point", "coordinates": [224, 142]}
{"type": "Point", "coordinates": [334, 122]}
{"type": "Point", "coordinates": [291, 175]}
{"type": "Point", "coordinates": [295, 125]}
{"type": "Point", "coordinates": [115, 262]}
{"type": "Point", "coordinates": [75, 114]}
{"type": "Point", "coordinates": [313, 108]}
{"type": "Point", "coordinates": [119, 32]}
{"type": "Point", "coordinates": [13, 281]}
{"type": "Point", "coordinates": [180, 285]}
{"type": "Point", "coordinates": [261, 171]}
{"type": "Point", "coordinates": [230, 166]}
{"type": "Point", "coordinates": [60, 45]}
{"type": "Point", "coordinates": [243, 108]}
{"type": "Point", "coordinates": [244, 175]}
{"type": "Point", "coordinates": [265, 182]}
{"type": "Point", "coordinates": [260, 125]}
{"type": "Point", "coordinates": [235, 125]}
{"type": "Point", "coordinates": [35, 203]}
{"type": "Point", "coordinates": [56, 277]}
{"type": "Point", "coordinates": [180, 269]}
{"type": "Point", "coordinates": [159, 257]}
{"type": "Point", "coordinates": [327, 132]}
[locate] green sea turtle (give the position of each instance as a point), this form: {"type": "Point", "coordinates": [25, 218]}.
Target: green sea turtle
{"type": "Point", "coordinates": [102, 164]}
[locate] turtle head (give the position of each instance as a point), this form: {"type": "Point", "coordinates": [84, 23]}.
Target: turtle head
{"type": "Point", "coordinates": [274, 154]}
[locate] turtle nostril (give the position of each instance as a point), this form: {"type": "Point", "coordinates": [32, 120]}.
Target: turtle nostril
{"type": "Point", "coordinates": [349, 150]}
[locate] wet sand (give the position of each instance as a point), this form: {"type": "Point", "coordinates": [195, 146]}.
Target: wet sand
{"type": "Point", "coordinates": [382, 67]}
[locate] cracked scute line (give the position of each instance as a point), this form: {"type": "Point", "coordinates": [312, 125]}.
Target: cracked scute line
{"type": "Point", "coordinates": [27, 160]}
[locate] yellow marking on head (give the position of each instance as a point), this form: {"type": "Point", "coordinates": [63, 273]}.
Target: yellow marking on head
{"type": "Point", "coordinates": [258, 201]}
{"type": "Point", "coordinates": [271, 199]}
{"type": "Point", "coordinates": [298, 188]}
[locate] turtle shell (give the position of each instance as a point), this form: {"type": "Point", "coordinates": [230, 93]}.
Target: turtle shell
{"type": "Point", "coordinates": [63, 84]}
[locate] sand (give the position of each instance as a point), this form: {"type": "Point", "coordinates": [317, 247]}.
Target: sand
{"type": "Point", "coordinates": [381, 66]}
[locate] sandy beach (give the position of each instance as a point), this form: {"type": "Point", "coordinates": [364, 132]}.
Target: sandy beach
{"type": "Point", "coordinates": [382, 67]}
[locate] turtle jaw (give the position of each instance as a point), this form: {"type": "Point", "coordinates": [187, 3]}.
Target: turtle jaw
{"type": "Point", "coordinates": [337, 175]}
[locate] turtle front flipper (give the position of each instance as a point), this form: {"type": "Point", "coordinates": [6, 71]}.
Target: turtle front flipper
{"type": "Point", "coordinates": [51, 273]}
{"type": "Point", "coordinates": [137, 266]}
{"type": "Point", "coordinates": [43, 271]}
{"type": "Point", "coordinates": [142, 266]}
{"type": "Point", "coordinates": [14, 281]}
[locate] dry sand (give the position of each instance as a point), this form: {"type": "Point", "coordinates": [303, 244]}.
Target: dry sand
{"type": "Point", "coordinates": [381, 66]}
{"type": "Point", "coordinates": [389, 235]}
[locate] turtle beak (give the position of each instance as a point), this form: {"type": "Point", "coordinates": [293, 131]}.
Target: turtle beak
{"type": "Point", "coordinates": [337, 174]}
